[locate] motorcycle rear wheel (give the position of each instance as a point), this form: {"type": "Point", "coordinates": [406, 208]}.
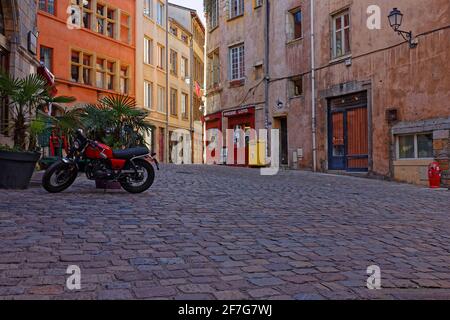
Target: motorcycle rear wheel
{"type": "Point", "coordinates": [59, 177]}
{"type": "Point", "coordinates": [142, 185]}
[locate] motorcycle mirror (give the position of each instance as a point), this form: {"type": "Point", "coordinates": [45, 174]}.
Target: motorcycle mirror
{"type": "Point", "coordinates": [80, 133]}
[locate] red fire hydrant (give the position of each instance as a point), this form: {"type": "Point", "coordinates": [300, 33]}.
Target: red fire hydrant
{"type": "Point", "coordinates": [434, 175]}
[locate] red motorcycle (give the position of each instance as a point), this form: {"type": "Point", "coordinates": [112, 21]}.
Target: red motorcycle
{"type": "Point", "coordinates": [132, 168]}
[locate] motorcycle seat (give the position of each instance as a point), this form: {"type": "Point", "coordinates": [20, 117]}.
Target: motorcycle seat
{"type": "Point", "coordinates": [130, 153]}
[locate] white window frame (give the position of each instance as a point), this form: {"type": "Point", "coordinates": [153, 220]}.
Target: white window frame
{"type": "Point", "coordinates": [341, 16]}
{"type": "Point", "coordinates": [160, 13]}
{"type": "Point", "coordinates": [148, 94]}
{"type": "Point", "coordinates": [214, 15]}
{"type": "Point", "coordinates": [161, 99]}
{"type": "Point", "coordinates": [184, 105]}
{"type": "Point", "coordinates": [240, 60]}
{"type": "Point", "coordinates": [416, 146]}
{"type": "Point", "coordinates": [184, 68]}
{"type": "Point", "coordinates": [148, 50]}
{"type": "Point", "coordinates": [240, 8]}
{"type": "Point", "coordinates": [161, 57]}
{"type": "Point", "coordinates": [148, 8]}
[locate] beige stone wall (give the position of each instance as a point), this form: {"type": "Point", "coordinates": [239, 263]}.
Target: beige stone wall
{"type": "Point", "coordinates": [411, 171]}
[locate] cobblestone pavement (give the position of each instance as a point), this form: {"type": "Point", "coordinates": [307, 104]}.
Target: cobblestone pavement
{"type": "Point", "coordinates": [227, 233]}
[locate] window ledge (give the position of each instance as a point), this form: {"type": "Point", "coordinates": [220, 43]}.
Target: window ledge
{"type": "Point", "coordinates": [236, 17]}
{"type": "Point", "coordinates": [236, 83]}
{"type": "Point", "coordinates": [294, 41]}
{"type": "Point", "coordinates": [340, 59]}
{"type": "Point", "coordinates": [213, 29]}
{"type": "Point", "coordinates": [296, 97]}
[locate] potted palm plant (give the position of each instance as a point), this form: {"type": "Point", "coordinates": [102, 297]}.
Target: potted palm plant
{"type": "Point", "coordinates": [23, 97]}
{"type": "Point", "coordinates": [116, 121]}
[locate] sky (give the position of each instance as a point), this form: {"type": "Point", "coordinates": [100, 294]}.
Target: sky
{"type": "Point", "coordinates": [193, 4]}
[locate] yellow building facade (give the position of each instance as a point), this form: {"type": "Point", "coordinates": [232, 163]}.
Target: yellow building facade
{"type": "Point", "coordinates": [164, 80]}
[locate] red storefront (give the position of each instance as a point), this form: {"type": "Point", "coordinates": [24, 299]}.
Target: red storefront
{"type": "Point", "coordinates": [213, 126]}
{"type": "Point", "coordinates": [241, 121]}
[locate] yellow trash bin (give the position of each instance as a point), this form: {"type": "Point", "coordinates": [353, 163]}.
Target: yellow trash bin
{"type": "Point", "coordinates": [257, 153]}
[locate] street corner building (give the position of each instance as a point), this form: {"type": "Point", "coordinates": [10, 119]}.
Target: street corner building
{"type": "Point", "coordinates": [89, 47]}
{"type": "Point", "coordinates": [18, 48]}
{"type": "Point", "coordinates": [346, 93]}
{"type": "Point", "coordinates": [142, 49]}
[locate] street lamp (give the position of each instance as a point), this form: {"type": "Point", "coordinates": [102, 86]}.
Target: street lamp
{"type": "Point", "coordinates": [396, 20]}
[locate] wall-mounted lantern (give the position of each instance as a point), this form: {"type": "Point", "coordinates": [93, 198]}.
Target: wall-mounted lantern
{"type": "Point", "coordinates": [395, 20]}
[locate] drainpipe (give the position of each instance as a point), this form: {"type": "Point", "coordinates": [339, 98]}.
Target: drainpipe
{"type": "Point", "coordinates": [313, 91]}
{"type": "Point", "coordinates": [191, 90]}
{"type": "Point", "coordinates": [167, 137]}
{"type": "Point", "coordinates": [267, 77]}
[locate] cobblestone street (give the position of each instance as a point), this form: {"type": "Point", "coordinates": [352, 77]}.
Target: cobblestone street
{"type": "Point", "coordinates": [227, 233]}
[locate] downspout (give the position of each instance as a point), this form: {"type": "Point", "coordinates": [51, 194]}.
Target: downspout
{"type": "Point", "coordinates": [191, 90]}
{"type": "Point", "coordinates": [313, 91]}
{"type": "Point", "coordinates": [267, 124]}
{"type": "Point", "coordinates": [166, 138]}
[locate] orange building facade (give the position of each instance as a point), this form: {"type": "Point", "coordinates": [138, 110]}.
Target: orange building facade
{"type": "Point", "coordinates": [89, 46]}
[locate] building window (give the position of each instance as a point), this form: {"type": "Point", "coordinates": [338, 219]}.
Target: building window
{"type": "Point", "coordinates": [161, 57]}
{"type": "Point", "coordinates": [124, 79]}
{"type": "Point", "coordinates": [185, 38]}
{"type": "Point", "coordinates": [46, 59]}
{"type": "Point", "coordinates": [148, 8]}
{"type": "Point", "coordinates": [160, 13]}
{"type": "Point", "coordinates": [184, 68]}
{"type": "Point", "coordinates": [81, 67]}
{"type": "Point", "coordinates": [148, 51]}
{"type": "Point", "coordinates": [100, 73]}
{"type": "Point", "coordinates": [148, 95]}
{"type": "Point", "coordinates": [236, 8]}
{"type": "Point", "coordinates": [174, 30]}
{"type": "Point", "coordinates": [295, 27]}
{"type": "Point", "coordinates": [87, 12]}
{"type": "Point", "coordinates": [237, 63]}
{"type": "Point", "coordinates": [213, 15]}
{"type": "Point", "coordinates": [101, 18]}
{"type": "Point", "coordinates": [111, 23]}
{"type": "Point", "coordinates": [47, 6]}
{"type": "Point", "coordinates": [295, 87]}
{"type": "Point", "coordinates": [415, 146]}
{"type": "Point", "coordinates": [214, 68]}
{"type": "Point", "coordinates": [184, 105]}
{"type": "Point", "coordinates": [125, 29]}
{"type": "Point", "coordinates": [173, 102]}
{"type": "Point", "coordinates": [110, 75]}
{"type": "Point", "coordinates": [161, 99]}
{"type": "Point", "coordinates": [341, 34]}
{"type": "Point", "coordinates": [105, 17]}
{"type": "Point", "coordinates": [87, 68]}
{"type": "Point", "coordinates": [173, 62]}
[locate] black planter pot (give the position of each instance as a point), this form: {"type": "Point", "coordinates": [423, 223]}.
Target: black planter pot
{"type": "Point", "coordinates": [16, 169]}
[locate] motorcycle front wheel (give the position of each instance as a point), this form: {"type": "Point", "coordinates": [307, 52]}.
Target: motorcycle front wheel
{"type": "Point", "coordinates": [59, 177]}
{"type": "Point", "coordinates": [142, 181]}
